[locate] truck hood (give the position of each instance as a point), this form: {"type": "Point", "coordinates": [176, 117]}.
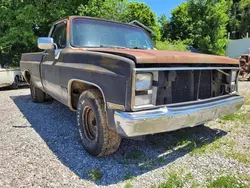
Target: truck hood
{"type": "Point", "coordinates": [167, 57]}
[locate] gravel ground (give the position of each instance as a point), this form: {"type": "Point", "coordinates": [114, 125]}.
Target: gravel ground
{"type": "Point", "coordinates": [40, 147]}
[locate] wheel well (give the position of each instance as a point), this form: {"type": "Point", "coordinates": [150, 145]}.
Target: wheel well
{"type": "Point", "coordinates": [76, 89]}
{"type": "Point", "coordinates": [27, 76]}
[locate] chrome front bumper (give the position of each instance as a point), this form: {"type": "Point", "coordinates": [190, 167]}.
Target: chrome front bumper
{"type": "Point", "coordinates": [131, 124]}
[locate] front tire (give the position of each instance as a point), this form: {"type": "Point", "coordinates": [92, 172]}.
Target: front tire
{"type": "Point", "coordinates": [37, 95]}
{"type": "Point", "coordinates": [97, 138]}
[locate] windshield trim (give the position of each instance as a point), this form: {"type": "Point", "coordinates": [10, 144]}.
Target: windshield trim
{"type": "Point", "coordinates": [90, 18]}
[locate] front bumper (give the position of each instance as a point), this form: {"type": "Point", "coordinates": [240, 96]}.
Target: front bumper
{"type": "Point", "coordinates": [131, 124]}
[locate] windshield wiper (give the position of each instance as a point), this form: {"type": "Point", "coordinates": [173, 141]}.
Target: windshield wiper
{"type": "Point", "coordinates": [112, 46]}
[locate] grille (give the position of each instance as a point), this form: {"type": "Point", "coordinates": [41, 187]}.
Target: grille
{"type": "Point", "coordinates": [184, 86]}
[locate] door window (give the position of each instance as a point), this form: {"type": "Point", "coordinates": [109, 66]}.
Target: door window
{"type": "Point", "coordinates": [59, 35]}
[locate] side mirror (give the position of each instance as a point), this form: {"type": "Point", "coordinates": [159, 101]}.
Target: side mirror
{"type": "Point", "coordinates": [45, 43]}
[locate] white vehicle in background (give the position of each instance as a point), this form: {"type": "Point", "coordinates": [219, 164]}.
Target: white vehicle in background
{"type": "Point", "coordinates": [10, 77]}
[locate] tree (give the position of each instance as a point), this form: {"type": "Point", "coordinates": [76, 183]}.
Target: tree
{"type": "Point", "coordinates": [234, 21]}
{"type": "Point", "coordinates": [202, 23]}
{"type": "Point", "coordinates": [107, 9]}
{"type": "Point", "coordinates": [122, 11]}
{"type": "Point", "coordinates": [164, 25]}
{"type": "Point", "coordinates": [21, 22]}
{"type": "Point", "coordinates": [244, 17]}
{"type": "Point", "coordinates": [181, 23]}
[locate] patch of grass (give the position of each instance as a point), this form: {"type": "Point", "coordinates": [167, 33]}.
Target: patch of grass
{"type": "Point", "coordinates": [234, 117]}
{"type": "Point", "coordinates": [246, 178]}
{"type": "Point", "coordinates": [173, 181]}
{"type": "Point", "coordinates": [239, 157]}
{"type": "Point", "coordinates": [217, 144]}
{"type": "Point", "coordinates": [128, 185]}
{"type": "Point", "coordinates": [204, 148]}
{"type": "Point", "coordinates": [195, 185]}
{"type": "Point", "coordinates": [226, 182]}
{"type": "Point", "coordinates": [247, 102]}
{"type": "Point", "coordinates": [229, 152]}
{"type": "Point", "coordinates": [188, 177]}
{"type": "Point", "coordinates": [95, 174]}
{"type": "Point", "coordinates": [176, 178]}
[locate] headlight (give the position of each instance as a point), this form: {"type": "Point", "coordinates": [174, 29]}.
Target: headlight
{"type": "Point", "coordinates": [233, 87]}
{"type": "Point", "coordinates": [233, 80]}
{"type": "Point", "coordinates": [143, 81]}
{"type": "Point", "coordinates": [233, 76]}
{"type": "Point", "coordinates": [141, 100]}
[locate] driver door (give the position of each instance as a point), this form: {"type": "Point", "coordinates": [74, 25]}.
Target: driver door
{"type": "Point", "coordinates": [50, 65]}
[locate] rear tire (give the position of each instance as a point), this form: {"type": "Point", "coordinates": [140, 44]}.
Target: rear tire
{"type": "Point", "coordinates": [97, 138]}
{"type": "Point", "coordinates": [15, 83]}
{"type": "Point", "coordinates": [37, 95]}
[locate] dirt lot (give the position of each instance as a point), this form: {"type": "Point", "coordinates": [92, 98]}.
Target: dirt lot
{"type": "Point", "coordinates": [39, 147]}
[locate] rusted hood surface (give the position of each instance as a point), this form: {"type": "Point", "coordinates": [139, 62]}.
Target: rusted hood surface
{"type": "Point", "coordinates": [171, 57]}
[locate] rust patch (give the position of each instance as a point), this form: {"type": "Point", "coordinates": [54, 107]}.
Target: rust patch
{"type": "Point", "coordinates": [68, 30]}
{"type": "Point", "coordinates": [107, 62]}
{"type": "Point", "coordinates": [167, 57]}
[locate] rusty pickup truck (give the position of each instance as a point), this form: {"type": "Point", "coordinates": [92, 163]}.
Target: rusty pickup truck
{"type": "Point", "coordinates": [122, 87]}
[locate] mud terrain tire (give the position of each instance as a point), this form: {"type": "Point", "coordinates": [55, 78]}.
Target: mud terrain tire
{"type": "Point", "coordinates": [96, 137]}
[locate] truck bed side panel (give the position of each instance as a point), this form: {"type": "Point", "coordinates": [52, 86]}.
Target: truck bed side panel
{"type": "Point", "coordinates": [31, 62]}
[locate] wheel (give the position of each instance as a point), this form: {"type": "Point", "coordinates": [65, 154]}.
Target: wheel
{"type": "Point", "coordinates": [37, 95]}
{"type": "Point", "coordinates": [15, 83]}
{"type": "Point", "coordinates": [96, 137]}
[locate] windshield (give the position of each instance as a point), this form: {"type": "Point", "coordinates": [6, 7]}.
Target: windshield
{"type": "Point", "coordinates": [98, 33]}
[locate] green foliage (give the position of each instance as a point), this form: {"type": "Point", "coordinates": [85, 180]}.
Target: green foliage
{"type": "Point", "coordinates": [180, 25]}
{"type": "Point", "coordinates": [243, 158]}
{"type": "Point", "coordinates": [174, 181]}
{"type": "Point", "coordinates": [244, 15]}
{"type": "Point", "coordinates": [128, 185]}
{"type": "Point", "coordinates": [143, 13]}
{"type": "Point", "coordinates": [109, 9]}
{"type": "Point", "coordinates": [203, 23]}
{"type": "Point", "coordinates": [163, 27]}
{"type": "Point", "coordinates": [95, 174]}
{"type": "Point", "coordinates": [122, 11]}
{"type": "Point", "coordinates": [171, 46]}
{"type": "Point", "coordinates": [239, 23]}
{"type": "Point", "coordinates": [226, 182]}
{"type": "Point", "coordinates": [235, 117]}
{"type": "Point", "coordinates": [21, 22]}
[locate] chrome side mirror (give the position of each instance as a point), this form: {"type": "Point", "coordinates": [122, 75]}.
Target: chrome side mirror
{"type": "Point", "coordinates": [45, 43]}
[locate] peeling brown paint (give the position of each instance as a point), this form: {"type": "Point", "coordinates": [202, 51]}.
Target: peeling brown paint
{"type": "Point", "coordinates": [165, 57]}
{"type": "Point", "coordinates": [109, 63]}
